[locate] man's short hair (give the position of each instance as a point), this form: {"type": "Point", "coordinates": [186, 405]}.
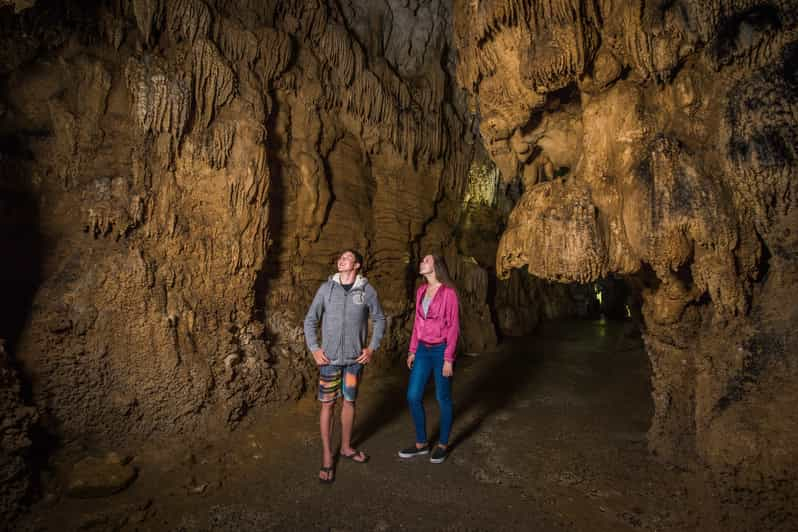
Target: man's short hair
{"type": "Point", "coordinates": [358, 256]}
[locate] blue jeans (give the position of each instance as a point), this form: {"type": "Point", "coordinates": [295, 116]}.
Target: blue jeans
{"type": "Point", "coordinates": [429, 360]}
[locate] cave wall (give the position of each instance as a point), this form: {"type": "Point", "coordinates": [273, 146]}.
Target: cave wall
{"type": "Point", "coordinates": [656, 141]}
{"type": "Point", "coordinates": [179, 176]}
{"type": "Point", "coordinates": [194, 169]}
{"type": "Point", "coordinates": [16, 439]}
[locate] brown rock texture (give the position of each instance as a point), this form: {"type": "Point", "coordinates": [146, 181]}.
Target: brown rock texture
{"type": "Point", "coordinates": [16, 427]}
{"type": "Point", "coordinates": [187, 171]}
{"type": "Point", "coordinates": [99, 477]}
{"type": "Point", "coordinates": [178, 177]}
{"type": "Point", "coordinates": [656, 140]}
{"type": "Point", "coordinates": [191, 169]}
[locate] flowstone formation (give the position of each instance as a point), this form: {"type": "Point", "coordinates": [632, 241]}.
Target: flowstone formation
{"type": "Point", "coordinates": [520, 302]}
{"type": "Point", "coordinates": [657, 140]}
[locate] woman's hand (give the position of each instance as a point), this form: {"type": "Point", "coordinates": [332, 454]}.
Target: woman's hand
{"type": "Point", "coordinates": [448, 368]}
{"type": "Point", "coordinates": [410, 358]}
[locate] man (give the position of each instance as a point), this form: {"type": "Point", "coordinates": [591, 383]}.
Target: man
{"type": "Point", "coordinates": [343, 304]}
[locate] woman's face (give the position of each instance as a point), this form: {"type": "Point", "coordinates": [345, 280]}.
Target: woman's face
{"type": "Point", "coordinates": [427, 265]}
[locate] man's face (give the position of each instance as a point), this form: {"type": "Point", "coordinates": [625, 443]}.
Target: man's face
{"type": "Point", "coordinates": [347, 262]}
{"type": "Point", "coordinates": [427, 265]}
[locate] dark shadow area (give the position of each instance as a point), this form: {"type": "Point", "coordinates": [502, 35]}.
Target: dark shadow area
{"type": "Point", "coordinates": [513, 366]}
{"type": "Point", "coordinates": [508, 372]}
{"type": "Point", "coordinates": [269, 273]}
{"type": "Point", "coordinates": [611, 298]}
{"type": "Point", "coordinates": [20, 277]}
{"type": "Point", "coordinates": [520, 359]}
{"type": "Point", "coordinates": [594, 351]}
{"type": "Point", "coordinates": [390, 407]}
{"type": "Point", "coordinates": [20, 241]}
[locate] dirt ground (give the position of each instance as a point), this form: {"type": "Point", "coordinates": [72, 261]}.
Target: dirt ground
{"type": "Point", "coordinates": [549, 435]}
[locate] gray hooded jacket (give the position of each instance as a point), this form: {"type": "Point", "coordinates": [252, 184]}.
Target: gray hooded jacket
{"type": "Point", "coordinates": [344, 319]}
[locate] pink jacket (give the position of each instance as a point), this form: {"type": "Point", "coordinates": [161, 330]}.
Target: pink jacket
{"type": "Point", "coordinates": [442, 323]}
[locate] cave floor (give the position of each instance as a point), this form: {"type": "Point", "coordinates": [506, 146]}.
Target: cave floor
{"type": "Point", "coordinates": [549, 434]}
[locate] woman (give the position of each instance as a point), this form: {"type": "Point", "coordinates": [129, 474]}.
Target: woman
{"type": "Point", "coordinates": [432, 351]}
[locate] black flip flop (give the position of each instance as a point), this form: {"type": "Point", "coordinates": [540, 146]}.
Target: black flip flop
{"type": "Point", "coordinates": [330, 475]}
{"type": "Point", "coordinates": [356, 453]}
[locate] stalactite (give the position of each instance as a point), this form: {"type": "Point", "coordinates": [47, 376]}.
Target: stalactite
{"type": "Point", "coordinates": [112, 29]}
{"type": "Point", "coordinates": [570, 23]}
{"type": "Point", "coordinates": [159, 103]}
{"type": "Point", "coordinates": [149, 17]}
{"type": "Point", "coordinates": [188, 20]}
{"type": "Point", "coordinates": [638, 45]}
{"type": "Point", "coordinates": [275, 51]}
{"type": "Point", "coordinates": [569, 246]}
{"type": "Point", "coordinates": [335, 51]}
{"type": "Point", "coordinates": [311, 16]}
{"type": "Point", "coordinates": [214, 82]}
{"type": "Point", "coordinates": [375, 95]}
{"type": "Point", "coordinates": [236, 42]}
{"type": "Point", "coordinates": [217, 143]}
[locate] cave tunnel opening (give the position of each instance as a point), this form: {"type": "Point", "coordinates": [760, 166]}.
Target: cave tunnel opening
{"type": "Point", "coordinates": [582, 377]}
{"type": "Point", "coordinates": [601, 320]}
{"type": "Point", "coordinates": [588, 333]}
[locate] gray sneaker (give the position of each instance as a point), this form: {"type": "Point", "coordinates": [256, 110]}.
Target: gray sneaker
{"type": "Point", "coordinates": [438, 455]}
{"type": "Point", "coordinates": [410, 452]}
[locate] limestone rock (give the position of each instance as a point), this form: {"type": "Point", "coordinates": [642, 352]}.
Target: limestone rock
{"type": "Point", "coordinates": [683, 184]}
{"type": "Point", "coordinates": [16, 427]}
{"type": "Point", "coordinates": [19, 5]}
{"type": "Point", "coordinates": [202, 165]}
{"type": "Point", "coordinates": [194, 167]}
{"type": "Point", "coordinates": [97, 477]}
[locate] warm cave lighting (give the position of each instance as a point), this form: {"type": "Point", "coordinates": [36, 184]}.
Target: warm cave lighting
{"type": "Point", "coordinates": [483, 185]}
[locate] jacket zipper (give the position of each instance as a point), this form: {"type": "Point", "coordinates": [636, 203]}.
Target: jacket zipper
{"type": "Point", "coordinates": [343, 328]}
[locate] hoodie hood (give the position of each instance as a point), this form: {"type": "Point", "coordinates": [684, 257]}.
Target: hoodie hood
{"type": "Point", "coordinates": [360, 281]}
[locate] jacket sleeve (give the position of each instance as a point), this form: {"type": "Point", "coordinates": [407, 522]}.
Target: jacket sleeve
{"type": "Point", "coordinates": [312, 318]}
{"type": "Point", "coordinates": [377, 318]}
{"type": "Point", "coordinates": [452, 314]}
{"type": "Point", "coordinates": [416, 324]}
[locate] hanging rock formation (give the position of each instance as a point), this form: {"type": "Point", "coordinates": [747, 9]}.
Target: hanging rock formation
{"type": "Point", "coordinates": [185, 173]}
{"type": "Point", "coordinates": [197, 166]}
{"type": "Point", "coordinates": [656, 140]}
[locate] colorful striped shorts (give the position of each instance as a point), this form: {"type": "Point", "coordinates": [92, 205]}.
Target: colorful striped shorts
{"type": "Point", "coordinates": [335, 381]}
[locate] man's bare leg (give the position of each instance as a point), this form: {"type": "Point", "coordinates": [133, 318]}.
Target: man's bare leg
{"type": "Point", "coordinates": [325, 426]}
{"type": "Point", "coordinates": [347, 421]}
